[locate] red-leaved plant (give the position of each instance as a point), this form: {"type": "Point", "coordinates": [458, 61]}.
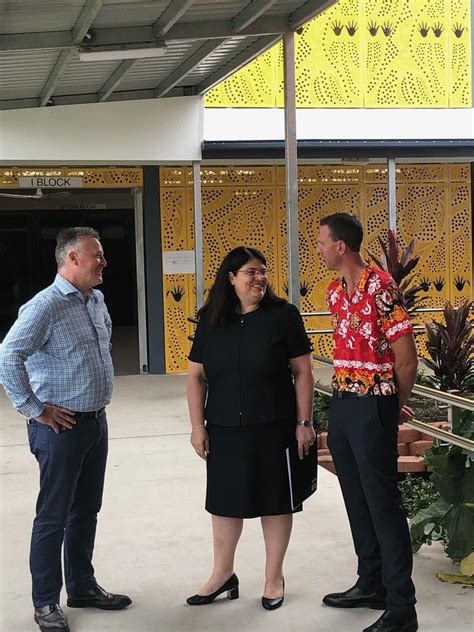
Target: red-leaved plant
{"type": "Point", "coordinates": [450, 345]}
{"type": "Point", "coordinates": [400, 268]}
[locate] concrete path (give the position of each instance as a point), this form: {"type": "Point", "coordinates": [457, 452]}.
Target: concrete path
{"type": "Point", "coordinates": [154, 537]}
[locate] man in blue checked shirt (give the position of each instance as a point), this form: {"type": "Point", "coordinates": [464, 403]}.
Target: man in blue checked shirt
{"type": "Point", "coordinates": [56, 368]}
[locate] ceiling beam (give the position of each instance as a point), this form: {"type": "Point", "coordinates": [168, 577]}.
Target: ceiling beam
{"type": "Point", "coordinates": [85, 20]}
{"type": "Point", "coordinates": [16, 104]}
{"type": "Point", "coordinates": [74, 99]}
{"type": "Point", "coordinates": [255, 49]}
{"type": "Point", "coordinates": [189, 65]}
{"type": "Point", "coordinates": [170, 16]}
{"type": "Point", "coordinates": [55, 75]}
{"type": "Point", "coordinates": [115, 79]}
{"type": "Point", "coordinates": [251, 12]}
{"type": "Point", "coordinates": [308, 11]}
{"type": "Point", "coordinates": [274, 25]}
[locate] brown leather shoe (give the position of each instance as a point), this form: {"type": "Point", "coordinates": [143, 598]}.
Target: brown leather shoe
{"type": "Point", "coordinates": [97, 597]}
{"type": "Point", "coordinates": [51, 618]}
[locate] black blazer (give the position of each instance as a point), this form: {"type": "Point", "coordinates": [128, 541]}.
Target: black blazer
{"type": "Point", "coordinates": [247, 365]}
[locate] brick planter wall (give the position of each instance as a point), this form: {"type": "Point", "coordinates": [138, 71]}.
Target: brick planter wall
{"type": "Point", "coordinates": [411, 447]}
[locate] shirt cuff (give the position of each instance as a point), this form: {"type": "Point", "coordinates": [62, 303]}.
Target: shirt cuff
{"type": "Point", "coordinates": [31, 408]}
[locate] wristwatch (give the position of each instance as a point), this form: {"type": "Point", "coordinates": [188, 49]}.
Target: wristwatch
{"type": "Point", "coordinates": [305, 423]}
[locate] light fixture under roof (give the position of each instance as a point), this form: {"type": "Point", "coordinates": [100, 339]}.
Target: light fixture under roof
{"type": "Point", "coordinates": [122, 51]}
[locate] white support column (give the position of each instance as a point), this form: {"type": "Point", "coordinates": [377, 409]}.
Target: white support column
{"type": "Point", "coordinates": [392, 193]}
{"type": "Point", "coordinates": [198, 242]}
{"type": "Point", "coordinates": [291, 169]}
{"type": "Point", "coordinates": [141, 289]}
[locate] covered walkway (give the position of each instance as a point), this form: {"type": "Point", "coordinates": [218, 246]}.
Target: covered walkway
{"type": "Point", "coordinates": [154, 537]}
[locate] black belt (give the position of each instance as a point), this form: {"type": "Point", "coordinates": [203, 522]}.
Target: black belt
{"type": "Point", "coordinates": [89, 414]}
{"type": "Point", "coordinates": [350, 395]}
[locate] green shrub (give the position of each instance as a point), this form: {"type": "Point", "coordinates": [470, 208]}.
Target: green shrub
{"type": "Point", "coordinates": [321, 405]}
{"type": "Point", "coordinates": [417, 493]}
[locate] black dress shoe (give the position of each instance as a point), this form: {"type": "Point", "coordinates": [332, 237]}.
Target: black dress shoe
{"type": "Point", "coordinates": [97, 597]}
{"type": "Point", "coordinates": [355, 598]}
{"type": "Point", "coordinates": [51, 617]}
{"type": "Point", "coordinates": [392, 622]}
{"type": "Point", "coordinates": [273, 604]}
{"type": "Point", "coordinates": [231, 586]}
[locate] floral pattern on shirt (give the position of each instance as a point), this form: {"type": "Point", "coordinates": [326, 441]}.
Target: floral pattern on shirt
{"type": "Point", "coordinates": [364, 328]}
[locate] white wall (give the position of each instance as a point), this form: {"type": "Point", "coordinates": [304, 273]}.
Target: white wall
{"type": "Point", "coordinates": [339, 124]}
{"type": "Point", "coordinates": [121, 133]}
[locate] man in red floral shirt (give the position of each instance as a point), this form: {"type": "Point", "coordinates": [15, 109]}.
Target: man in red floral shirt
{"type": "Point", "coordinates": [375, 364]}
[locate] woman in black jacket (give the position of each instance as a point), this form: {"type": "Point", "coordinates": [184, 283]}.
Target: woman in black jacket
{"type": "Point", "coordinates": [250, 394]}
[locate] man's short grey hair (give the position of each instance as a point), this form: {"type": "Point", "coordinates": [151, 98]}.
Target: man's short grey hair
{"type": "Point", "coordinates": [68, 239]}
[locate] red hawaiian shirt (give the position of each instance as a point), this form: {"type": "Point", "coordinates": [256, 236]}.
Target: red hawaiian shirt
{"type": "Point", "coordinates": [364, 326]}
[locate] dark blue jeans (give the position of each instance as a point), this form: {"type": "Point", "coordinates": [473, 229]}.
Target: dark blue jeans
{"type": "Point", "coordinates": [72, 469]}
{"type": "Point", "coordinates": [363, 442]}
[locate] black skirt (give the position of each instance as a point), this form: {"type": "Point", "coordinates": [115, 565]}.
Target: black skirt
{"type": "Point", "coordinates": [247, 473]}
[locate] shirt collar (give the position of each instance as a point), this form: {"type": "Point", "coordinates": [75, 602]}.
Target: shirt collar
{"type": "Point", "coordinates": [66, 287]}
{"type": "Point", "coordinates": [366, 273]}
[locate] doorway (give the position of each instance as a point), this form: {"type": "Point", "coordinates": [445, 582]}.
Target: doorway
{"type": "Point", "coordinates": [27, 265]}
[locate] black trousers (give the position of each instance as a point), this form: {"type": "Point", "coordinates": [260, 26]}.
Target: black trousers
{"type": "Point", "coordinates": [362, 439]}
{"type": "Point", "coordinates": [72, 470]}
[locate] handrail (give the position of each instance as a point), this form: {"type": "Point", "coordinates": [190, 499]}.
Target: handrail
{"type": "Point", "coordinates": [425, 391]}
{"type": "Point", "coordinates": [330, 331]}
{"type": "Point", "coordinates": [433, 431]}
{"type": "Point", "coordinates": [417, 310]}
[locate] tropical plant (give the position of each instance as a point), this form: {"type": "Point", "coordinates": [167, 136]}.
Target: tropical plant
{"type": "Point", "coordinates": [451, 517]}
{"type": "Point", "coordinates": [400, 268]}
{"type": "Point", "coordinates": [450, 346]}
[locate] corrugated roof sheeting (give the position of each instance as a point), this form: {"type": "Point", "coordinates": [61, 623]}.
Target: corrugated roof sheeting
{"type": "Point", "coordinates": [35, 16]}
{"type": "Point", "coordinates": [148, 73]}
{"type": "Point", "coordinates": [202, 10]}
{"type": "Point", "coordinates": [25, 73]}
{"type": "Point", "coordinates": [129, 13]}
{"type": "Point", "coordinates": [81, 78]}
{"type": "Point", "coordinates": [214, 61]}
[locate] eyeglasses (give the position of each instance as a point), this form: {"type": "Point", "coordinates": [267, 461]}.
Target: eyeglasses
{"type": "Point", "coordinates": [252, 272]}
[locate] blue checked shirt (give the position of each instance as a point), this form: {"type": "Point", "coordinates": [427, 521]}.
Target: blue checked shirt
{"type": "Point", "coordinates": [58, 352]}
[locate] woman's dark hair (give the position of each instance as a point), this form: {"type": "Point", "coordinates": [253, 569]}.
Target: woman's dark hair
{"type": "Point", "coordinates": [346, 228]}
{"type": "Point", "coordinates": [222, 301]}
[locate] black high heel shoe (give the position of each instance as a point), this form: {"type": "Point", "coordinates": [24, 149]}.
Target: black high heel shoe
{"type": "Point", "coordinates": [231, 586]}
{"type": "Point", "coordinates": [273, 604]}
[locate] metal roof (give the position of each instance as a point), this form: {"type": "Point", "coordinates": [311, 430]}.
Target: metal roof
{"type": "Point", "coordinates": [204, 41]}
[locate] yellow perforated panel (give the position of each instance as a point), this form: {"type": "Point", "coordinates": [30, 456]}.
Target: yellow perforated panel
{"type": "Point", "coordinates": [247, 206]}
{"type": "Point", "coordinates": [93, 177]}
{"type": "Point", "coordinates": [367, 53]}
{"type": "Point", "coordinates": [460, 227]}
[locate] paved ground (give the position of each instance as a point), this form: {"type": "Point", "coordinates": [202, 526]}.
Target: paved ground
{"type": "Point", "coordinates": [154, 537]}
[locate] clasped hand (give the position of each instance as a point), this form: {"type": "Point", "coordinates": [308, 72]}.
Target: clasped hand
{"type": "Point", "coordinates": [406, 413]}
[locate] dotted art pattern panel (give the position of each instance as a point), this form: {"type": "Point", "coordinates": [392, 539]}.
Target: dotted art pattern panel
{"type": "Point", "coordinates": [93, 177]}
{"type": "Point", "coordinates": [253, 85]}
{"type": "Point", "coordinates": [434, 207]}
{"type": "Point", "coordinates": [460, 230]}
{"type": "Point", "coordinates": [367, 53]}
{"type": "Point", "coordinates": [177, 288]}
